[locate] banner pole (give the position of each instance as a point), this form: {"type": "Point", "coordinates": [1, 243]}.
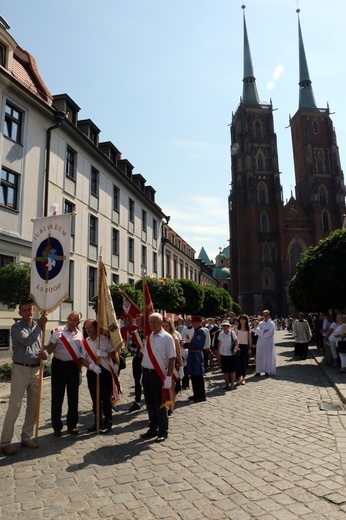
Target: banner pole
{"type": "Point", "coordinates": [99, 314]}
{"type": "Point", "coordinates": [39, 393]}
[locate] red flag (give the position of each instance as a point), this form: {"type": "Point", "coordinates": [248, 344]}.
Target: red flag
{"type": "Point", "coordinates": [128, 314]}
{"type": "Point", "coordinates": [148, 308]}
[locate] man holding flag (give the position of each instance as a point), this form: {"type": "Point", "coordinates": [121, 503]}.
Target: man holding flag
{"type": "Point", "coordinates": [157, 365]}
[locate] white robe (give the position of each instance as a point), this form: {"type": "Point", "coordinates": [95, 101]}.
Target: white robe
{"type": "Point", "coordinates": [265, 348]}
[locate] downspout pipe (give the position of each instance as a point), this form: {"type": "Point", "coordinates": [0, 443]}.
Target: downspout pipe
{"type": "Point", "coordinates": [59, 116]}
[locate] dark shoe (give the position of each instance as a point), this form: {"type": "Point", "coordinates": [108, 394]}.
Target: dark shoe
{"type": "Point", "coordinates": [92, 429]}
{"type": "Point", "coordinates": [257, 374]}
{"type": "Point", "coordinates": [27, 443]}
{"type": "Point", "coordinates": [150, 434]}
{"type": "Point", "coordinates": [9, 450]}
{"type": "Point", "coordinates": [57, 433]}
{"type": "Point", "coordinates": [192, 397]}
{"type": "Point", "coordinates": [170, 413]}
{"type": "Point", "coordinates": [106, 430]}
{"type": "Point", "coordinates": [135, 407]}
{"type": "Point", "coordinates": [73, 431]}
{"type": "Point", "coordinates": [199, 399]}
{"type": "Point", "coordinates": [161, 438]}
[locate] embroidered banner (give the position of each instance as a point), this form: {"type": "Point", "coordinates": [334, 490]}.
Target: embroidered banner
{"type": "Point", "coordinates": [50, 261]}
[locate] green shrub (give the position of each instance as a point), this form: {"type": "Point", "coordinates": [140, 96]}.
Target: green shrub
{"type": "Point", "coordinates": [6, 370]}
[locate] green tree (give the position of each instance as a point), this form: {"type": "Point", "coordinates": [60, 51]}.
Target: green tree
{"type": "Point", "coordinates": [320, 280]}
{"type": "Point", "coordinates": [166, 294]}
{"type": "Point", "coordinates": [212, 302]}
{"type": "Point", "coordinates": [193, 295]}
{"type": "Point", "coordinates": [15, 284]}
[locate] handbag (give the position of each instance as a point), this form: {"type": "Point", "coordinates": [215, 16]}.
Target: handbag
{"type": "Point", "coordinates": [342, 346]}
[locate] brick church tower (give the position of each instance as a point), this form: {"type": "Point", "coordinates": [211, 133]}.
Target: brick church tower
{"type": "Point", "coordinates": [266, 236]}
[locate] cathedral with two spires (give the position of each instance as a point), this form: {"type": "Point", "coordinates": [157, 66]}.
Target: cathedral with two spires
{"type": "Point", "coordinates": [267, 236]}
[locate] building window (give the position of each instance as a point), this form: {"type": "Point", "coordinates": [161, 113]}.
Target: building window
{"type": "Point", "coordinates": [262, 193]}
{"type": "Point", "coordinates": [94, 182]}
{"type": "Point", "coordinates": [325, 221]}
{"type": "Point", "coordinates": [264, 224]}
{"type": "Point", "coordinates": [70, 166]}
{"type": "Point", "coordinates": [69, 207]}
{"type": "Point", "coordinates": [295, 254]}
{"type": "Point", "coordinates": [131, 282]}
{"type": "Point", "coordinates": [258, 130]}
{"type": "Point", "coordinates": [2, 55]}
{"type": "Point", "coordinates": [93, 230]}
{"type": "Point", "coordinates": [5, 260]}
{"type": "Point", "coordinates": [131, 210]}
{"type": "Point", "coordinates": [71, 280]}
{"type": "Point", "coordinates": [155, 262]}
{"type": "Point", "coordinates": [9, 189]}
{"type": "Point", "coordinates": [116, 198]}
{"type": "Point", "coordinates": [115, 279]}
{"type": "Point", "coordinates": [144, 220]}
{"type": "Point", "coordinates": [92, 282]}
{"type": "Point", "coordinates": [13, 123]}
{"type": "Point", "coordinates": [131, 249]}
{"type": "Point", "coordinates": [315, 127]}
{"type": "Point", "coordinates": [260, 162]}
{"type": "Point", "coordinates": [4, 339]}
{"type": "Point", "coordinates": [154, 229]}
{"type": "Point", "coordinates": [115, 241]}
{"type": "Point", "coordinates": [144, 256]}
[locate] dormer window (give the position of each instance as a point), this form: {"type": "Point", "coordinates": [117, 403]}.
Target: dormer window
{"type": "Point", "coordinates": [2, 55]}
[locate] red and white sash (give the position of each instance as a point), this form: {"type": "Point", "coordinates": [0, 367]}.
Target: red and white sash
{"type": "Point", "coordinates": [166, 394]}
{"type": "Point", "coordinates": [137, 340]}
{"type": "Point", "coordinates": [89, 350]}
{"type": "Point", "coordinates": [70, 349]}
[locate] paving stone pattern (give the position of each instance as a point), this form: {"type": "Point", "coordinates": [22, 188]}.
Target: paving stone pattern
{"type": "Point", "coordinates": [264, 451]}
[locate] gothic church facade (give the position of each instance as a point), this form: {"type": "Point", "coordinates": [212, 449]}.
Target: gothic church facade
{"type": "Point", "coordinates": [267, 236]}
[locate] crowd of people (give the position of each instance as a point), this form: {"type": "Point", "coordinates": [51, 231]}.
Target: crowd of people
{"type": "Point", "coordinates": [175, 356]}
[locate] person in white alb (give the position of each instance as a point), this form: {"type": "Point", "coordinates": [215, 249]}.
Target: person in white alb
{"type": "Point", "coordinates": [265, 348]}
{"type": "Point", "coordinates": [157, 366]}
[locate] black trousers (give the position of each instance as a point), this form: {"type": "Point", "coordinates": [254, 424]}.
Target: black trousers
{"type": "Point", "coordinates": [152, 388]}
{"type": "Point", "coordinates": [64, 376]}
{"type": "Point", "coordinates": [242, 361]}
{"type": "Point", "coordinates": [198, 387]}
{"type": "Point", "coordinates": [137, 374]}
{"type": "Point", "coordinates": [106, 387]}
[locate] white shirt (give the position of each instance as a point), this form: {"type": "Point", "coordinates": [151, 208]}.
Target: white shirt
{"type": "Point", "coordinates": [94, 345]}
{"type": "Point", "coordinates": [227, 340]}
{"type": "Point", "coordinates": [74, 339]}
{"type": "Point", "coordinates": [163, 349]}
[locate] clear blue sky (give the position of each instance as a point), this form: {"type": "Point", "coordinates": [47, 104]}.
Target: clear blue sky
{"type": "Point", "coordinates": [161, 79]}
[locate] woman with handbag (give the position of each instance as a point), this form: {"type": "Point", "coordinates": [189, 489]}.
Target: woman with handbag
{"type": "Point", "coordinates": [226, 354]}
{"type": "Point", "coordinates": [340, 339]}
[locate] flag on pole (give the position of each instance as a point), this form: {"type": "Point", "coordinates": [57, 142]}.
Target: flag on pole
{"type": "Point", "coordinates": [148, 308]}
{"type": "Point", "coordinates": [128, 314]}
{"type": "Point", "coordinates": [50, 262]}
{"type": "Point", "coordinates": [108, 319]}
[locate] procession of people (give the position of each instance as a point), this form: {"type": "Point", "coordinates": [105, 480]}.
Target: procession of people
{"type": "Point", "coordinates": [161, 357]}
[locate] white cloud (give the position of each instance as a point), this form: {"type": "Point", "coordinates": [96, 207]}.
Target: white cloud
{"type": "Point", "coordinates": [270, 85]}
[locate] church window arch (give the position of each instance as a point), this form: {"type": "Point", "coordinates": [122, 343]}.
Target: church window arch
{"type": "Point", "coordinates": [325, 220]}
{"type": "Point", "coordinates": [266, 253]}
{"type": "Point", "coordinates": [323, 195]}
{"type": "Point", "coordinates": [294, 256]}
{"type": "Point", "coordinates": [267, 280]}
{"type": "Point", "coordinates": [258, 130]}
{"type": "Point", "coordinates": [262, 193]}
{"type": "Point", "coordinates": [264, 222]}
{"type": "Point", "coordinates": [315, 127]}
{"type": "Point", "coordinates": [260, 162]}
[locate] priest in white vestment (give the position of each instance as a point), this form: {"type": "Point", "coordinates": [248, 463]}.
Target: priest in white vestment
{"type": "Point", "coordinates": [265, 348]}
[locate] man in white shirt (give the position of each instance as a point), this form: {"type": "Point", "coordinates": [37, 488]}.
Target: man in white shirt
{"type": "Point", "coordinates": [157, 365]}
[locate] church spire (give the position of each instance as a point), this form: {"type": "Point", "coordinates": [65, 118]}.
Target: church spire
{"type": "Point", "coordinates": [306, 95]}
{"type": "Point", "coordinates": [250, 94]}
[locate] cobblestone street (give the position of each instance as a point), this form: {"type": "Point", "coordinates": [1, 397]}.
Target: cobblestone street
{"type": "Point", "coordinates": [266, 450]}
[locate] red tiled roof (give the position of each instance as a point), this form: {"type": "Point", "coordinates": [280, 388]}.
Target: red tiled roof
{"type": "Point", "coordinates": [26, 72]}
